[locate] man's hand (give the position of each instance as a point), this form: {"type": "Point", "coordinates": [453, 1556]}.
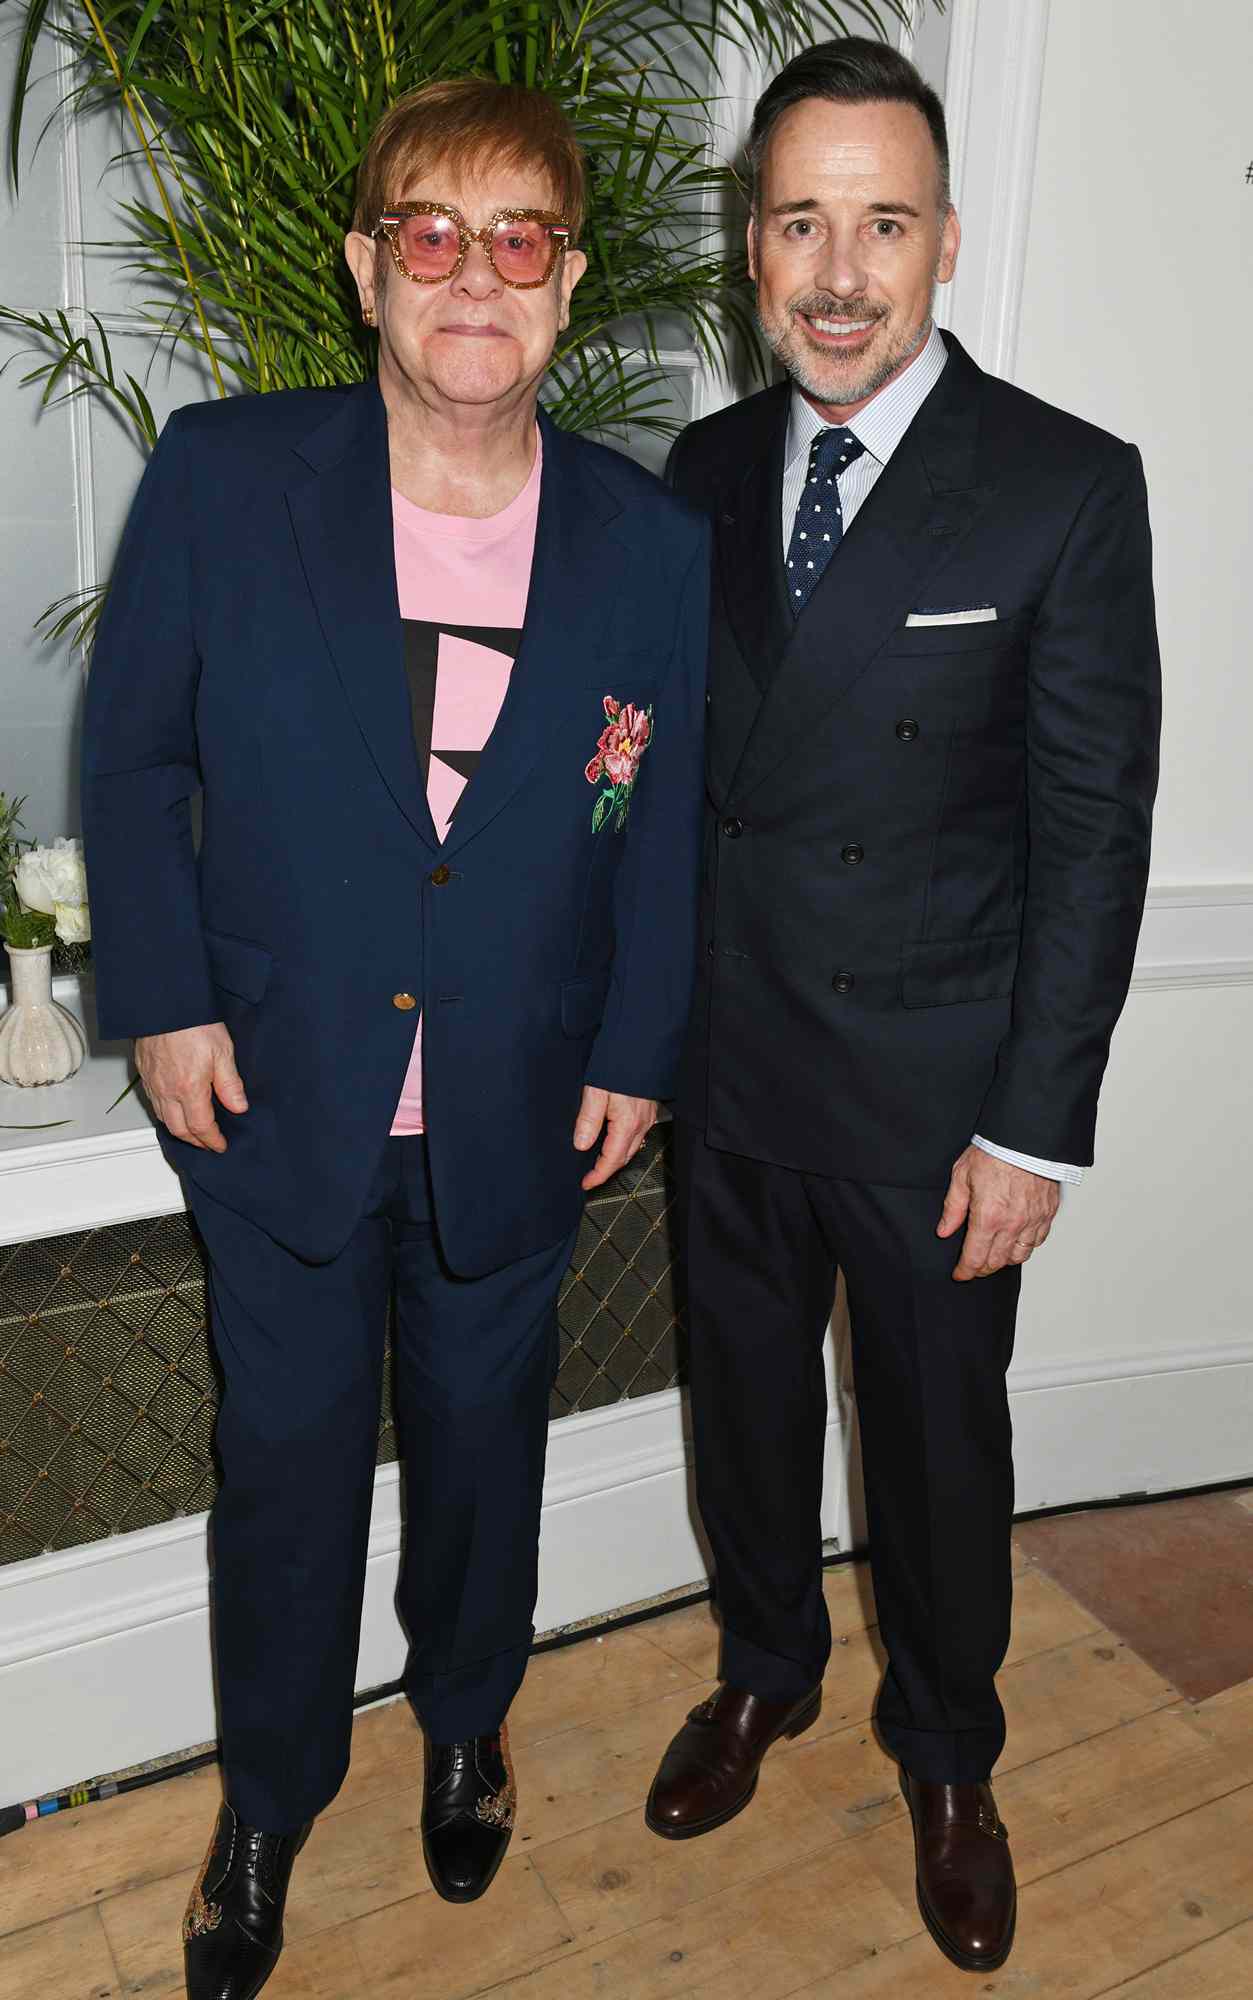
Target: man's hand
{"type": "Point", "coordinates": [181, 1072]}
{"type": "Point", "coordinates": [1008, 1212]}
{"type": "Point", "coordinates": [625, 1120]}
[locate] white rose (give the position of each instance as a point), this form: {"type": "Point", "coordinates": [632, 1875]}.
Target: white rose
{"type": "Point", "coordinates": [46, 876]}
{"type": "Point", "coordinates": [73, 923]}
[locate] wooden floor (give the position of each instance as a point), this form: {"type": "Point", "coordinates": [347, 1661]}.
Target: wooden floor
{"type": "Point", "coordinates": [1129, 1806]}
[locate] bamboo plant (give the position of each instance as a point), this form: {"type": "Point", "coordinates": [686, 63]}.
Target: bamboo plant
{"type": "Point", "coordinates": [246, 119]}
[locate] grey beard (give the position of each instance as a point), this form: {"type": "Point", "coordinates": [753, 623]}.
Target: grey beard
{"type": "Point", "coordinates": [805, 373]}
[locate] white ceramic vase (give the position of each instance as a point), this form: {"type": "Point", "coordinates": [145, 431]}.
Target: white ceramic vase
{"type": "Point", "coordinates": [39, 1041]}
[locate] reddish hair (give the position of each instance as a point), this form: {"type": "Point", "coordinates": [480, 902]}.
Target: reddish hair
{"type": "Point", "coordinates": [462, 123]}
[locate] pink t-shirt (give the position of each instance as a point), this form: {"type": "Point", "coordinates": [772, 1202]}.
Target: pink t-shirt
{"type": "Point", "coordinates": [463, 587]}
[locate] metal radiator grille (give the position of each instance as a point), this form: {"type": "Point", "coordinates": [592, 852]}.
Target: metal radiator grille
{"type": "Point", "coordinates": [107, 1391]}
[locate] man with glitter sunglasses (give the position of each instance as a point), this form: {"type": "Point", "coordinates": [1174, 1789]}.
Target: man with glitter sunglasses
{"type": "Point", "coordinates": [439, 672]}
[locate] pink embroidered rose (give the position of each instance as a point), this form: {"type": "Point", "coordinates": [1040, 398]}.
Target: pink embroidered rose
{"type": "Point", "coordinates": [623, 743]}
{"type": "Point", "coordinates": [627, 733]}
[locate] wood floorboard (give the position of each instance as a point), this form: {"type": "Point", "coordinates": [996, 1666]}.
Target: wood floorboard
{"type": "Point", "coordinates": [1084, 1929]}
{"type": "Point", "coordinates": [1219, 1969]}
{"type": "Point", "coordinates": [1172, 1579]}
{"type": "Point", "coordinates": [1130, 1810]}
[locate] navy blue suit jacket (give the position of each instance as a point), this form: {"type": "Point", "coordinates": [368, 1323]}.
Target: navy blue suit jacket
{"type": "Point", "coordinates": [251, 650]}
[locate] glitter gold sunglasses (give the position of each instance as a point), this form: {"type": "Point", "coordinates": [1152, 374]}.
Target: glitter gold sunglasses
{"type": "Point", "coordinates": [429, 241]}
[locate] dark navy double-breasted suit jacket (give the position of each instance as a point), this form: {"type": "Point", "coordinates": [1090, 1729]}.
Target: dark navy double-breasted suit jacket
{"type": "Point", "coordinates": [927, 844]}
{"type": "Point", "coordinates": [251, 650]}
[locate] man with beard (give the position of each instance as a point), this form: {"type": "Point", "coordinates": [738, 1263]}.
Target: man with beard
{"type": "Point", "coordinates": [932, 755]}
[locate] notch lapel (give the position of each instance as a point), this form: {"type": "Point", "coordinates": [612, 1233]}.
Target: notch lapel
{"type": "Point", "coordinates": [570, 604]}
{"type": "Point", "coordinates": [922, 504]}
{"type": "Point", "coordinates": [342, 517]}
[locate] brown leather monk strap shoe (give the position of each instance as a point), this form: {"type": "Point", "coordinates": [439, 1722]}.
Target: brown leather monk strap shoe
{"type": "Point", "coordinates": [965, 1872]}
{"type": "Point", "coordinates": [709, 1773]}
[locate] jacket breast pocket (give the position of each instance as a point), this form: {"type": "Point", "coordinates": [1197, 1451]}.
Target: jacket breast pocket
{"type": "Point", "coordinates": [238, 967]}
{"type": "Point", "coordinates": [948, 972]}
{"type": "Point", "coordinates": [623, 681]}
{"type": "Point", "coordinates": [964, 646]}
{"type": "Point", "coordinates": [583, 1004]}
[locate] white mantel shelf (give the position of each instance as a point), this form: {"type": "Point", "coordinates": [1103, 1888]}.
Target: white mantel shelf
{"type": "Point", "coordinates": [104, 1166]}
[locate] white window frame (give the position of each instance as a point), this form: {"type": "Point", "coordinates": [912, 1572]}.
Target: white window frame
{"type": "Point", "coordinates": [991, 89]}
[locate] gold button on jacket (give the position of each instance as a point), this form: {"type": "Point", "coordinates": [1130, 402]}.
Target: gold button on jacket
{"type": "Point", "coordinates": [405, 1001]}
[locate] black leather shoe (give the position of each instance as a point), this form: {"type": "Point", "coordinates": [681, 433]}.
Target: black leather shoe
{"type": "Point", "coordinates": [468, 1810]}
{"type": "Point", "coordinates": [233, 1929]}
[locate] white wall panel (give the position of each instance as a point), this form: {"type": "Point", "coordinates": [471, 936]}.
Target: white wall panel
{"type": "Point", "coordinates": [1136, 313]}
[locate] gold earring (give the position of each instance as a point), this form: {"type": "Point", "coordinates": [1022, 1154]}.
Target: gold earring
{"type": "Point", "coordinates": [367, 315]}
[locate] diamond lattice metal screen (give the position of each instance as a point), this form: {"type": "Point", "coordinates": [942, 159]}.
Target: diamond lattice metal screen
{"type": "Point", "coordinates": [107, 1390]}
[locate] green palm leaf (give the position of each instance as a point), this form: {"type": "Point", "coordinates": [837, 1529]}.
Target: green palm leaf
{"type": "Point", "coordinates": [247, 119]}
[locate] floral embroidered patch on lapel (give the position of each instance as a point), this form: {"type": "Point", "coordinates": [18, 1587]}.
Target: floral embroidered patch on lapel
{"type": "Point", "coordinates": [626, 736]}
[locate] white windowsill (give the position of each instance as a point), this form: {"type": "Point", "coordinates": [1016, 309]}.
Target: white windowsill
{"type": "Point", "coordinates": [103, 1166]}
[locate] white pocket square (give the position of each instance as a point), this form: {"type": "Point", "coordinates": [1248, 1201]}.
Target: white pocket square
{"type": "Point", "coordinates": [982, 614]}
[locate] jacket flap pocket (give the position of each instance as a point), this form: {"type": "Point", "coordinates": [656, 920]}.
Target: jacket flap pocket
{"type": "Point", "coordinates": [583, 1004]}
{"type": "Point", "coordinates": [979, 968]}
{"type": "Point", "coordinates": [237, 966]}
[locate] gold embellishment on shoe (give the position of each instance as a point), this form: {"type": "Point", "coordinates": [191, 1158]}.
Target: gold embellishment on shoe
{"type": "Point", "coordinates": [201, 1916]}
{"type": "Point", "coordinates": [500, 1809]}
{"type": "Point", "coordinates": [989, 1822]}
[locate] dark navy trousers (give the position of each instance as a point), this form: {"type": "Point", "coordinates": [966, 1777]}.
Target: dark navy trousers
{"type": "Point", "coordinates": [300, 1347]}
{"type": "Point", "coordinates": [762, 1246]}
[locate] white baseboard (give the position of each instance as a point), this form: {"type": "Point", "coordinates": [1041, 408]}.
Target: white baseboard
{"type": "Point", "coordinates": [104, 1651]}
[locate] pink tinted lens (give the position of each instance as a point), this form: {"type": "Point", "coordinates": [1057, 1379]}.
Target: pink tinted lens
{"type": "Point", "coordinates": [521, 250]}
{"type": "Point", "coordinates": [429, 245]}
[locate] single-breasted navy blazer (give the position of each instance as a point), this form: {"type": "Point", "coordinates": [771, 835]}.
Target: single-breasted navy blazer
{"type": "Point", "coordinates": [251, 650]}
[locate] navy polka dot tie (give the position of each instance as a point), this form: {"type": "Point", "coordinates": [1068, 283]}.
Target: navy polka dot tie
{"type": "Point", "coordinates": [819, 524]}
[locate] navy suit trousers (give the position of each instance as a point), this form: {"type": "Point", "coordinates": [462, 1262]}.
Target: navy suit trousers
{"type": "Point", "coordinates": [300, 1346]}
{"type": "Point", "coordinates": [763, 1245]}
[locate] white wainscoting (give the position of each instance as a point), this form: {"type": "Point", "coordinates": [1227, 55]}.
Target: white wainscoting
{"type": "Point", "coordinates": [104, 1651]}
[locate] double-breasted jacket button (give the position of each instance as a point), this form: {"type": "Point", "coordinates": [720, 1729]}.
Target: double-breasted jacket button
{"type": "Point", "coordinates": [441, 875]}
{"type": "Point", "coordinates": [843, 982]}
{"type": "Point", "coordinates": [907, 729]}
{"type": "Point", "coordinates": [733, 828]}
{"type": "Point", "coordinates": [853, 853]}
{"type": "Point", "coordinates": [404, 1001]}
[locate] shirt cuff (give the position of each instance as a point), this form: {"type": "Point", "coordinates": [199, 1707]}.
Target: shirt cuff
{"type": "Point", "coordinates": [1052, 1170]}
